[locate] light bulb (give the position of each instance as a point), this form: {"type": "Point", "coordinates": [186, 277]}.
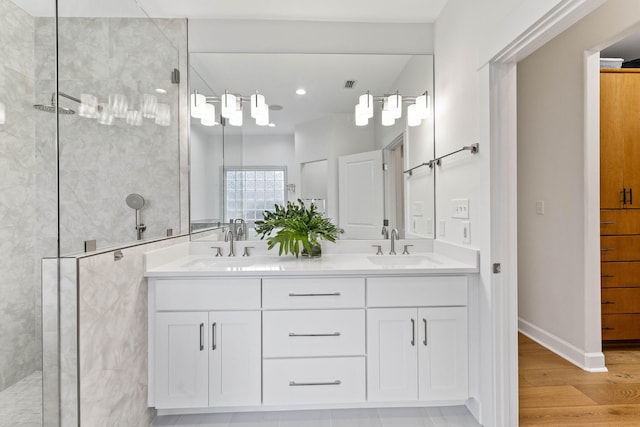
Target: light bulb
{"type": "Point", "coordinates": [366, 105]}
{"type": "Point", "coordinates": [387, 118]}
{"type": "Point", "coordinates": [257, 105]}
{"type": "Point", "coordinates": [236, 118]}
{"type": "Point", "coordinates": [198, 102]}
{"type": "Point", "coordinates": [209, 118]}
{"type": "Point", "coordinates": [394, 105]}
{"type": "Point", "coordinates": [413, 115]}
{"type": "Point", "coordinates": [228, 105]}
{"type": "Point", "coordinates": [422, 106]}
{"type": "Point", "coordinates": [360, 116]}
{"type": "Point", "coordinates": [263, 118]}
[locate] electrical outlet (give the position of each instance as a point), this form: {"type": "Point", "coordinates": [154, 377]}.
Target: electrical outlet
{"type": "Point", "coordinates": [466, 232]}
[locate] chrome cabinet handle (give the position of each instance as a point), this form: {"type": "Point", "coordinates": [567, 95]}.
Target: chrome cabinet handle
{"type": "Point", "coordinates": [607, 276]}
{"type": "Point", "coordinates": [213, 336]}
{"type": "Point", "coordinates": [297, 384]}
{"type": "Point", "coordinates": [624, 196]}
{"type": "Point", "coordinates": [425, 332]}
{"type": "Point", "coordinates": [607, 222]}
{"type": "Point", "coordinates": [631, 196]}
{"type": "Point", "coordinates": [333, 294]}
{"type": "Point", "coordinates": [608, 329]}
{"type": "Point", "coordinates": [413, 332]}
{"type": "Point", "coordinates": [607, 302]}
{"type": "Point", "coordinates": [201, 336]}
{"type": "Point", "coordinates": [607, 249]}
{"type": "Point", "coordinates": [334, 334]}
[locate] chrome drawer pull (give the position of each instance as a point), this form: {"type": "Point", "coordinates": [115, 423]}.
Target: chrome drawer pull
{"type": "Point", "coordinates": [607, 249]}
{"type": "Point", "coordinates": [607, 302]}
{"type": "Point", "coordinates": [333, 294]}
{"type": "Point", "coordinates": [201, 336]}
{"type": "Point", "coordinates": [213, 336]}
{"type": "Point", "coordinates": [413, 332]}
{"type": "Point", "coordinates": [607, 276]}
{"type": "Point", "coordinates": [335, 334]}
{"type": "Point", "coordinates": [296, 384]}
{"type": "Point", "coordinates": [607, 222]}
{"type": "Point", "coordinates": [608, 329]}
{"type": "Point", "coordinates": [425, 332]}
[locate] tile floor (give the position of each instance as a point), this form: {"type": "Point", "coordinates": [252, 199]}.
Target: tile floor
{"type": "Point", "coordinates": [21, 403]}
{"type": "Point", "coordinates": [454, 416]}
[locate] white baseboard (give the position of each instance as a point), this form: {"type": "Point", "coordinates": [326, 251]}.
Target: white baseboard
{"type": "Point", "coordinates": [591, 362]}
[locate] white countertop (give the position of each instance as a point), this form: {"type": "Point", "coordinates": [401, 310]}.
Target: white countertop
{"type": "Point", "coordinates": [189, 261]}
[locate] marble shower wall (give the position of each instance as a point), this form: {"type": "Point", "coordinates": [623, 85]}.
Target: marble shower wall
{"type": "Point", "coordinates": [100, 165]}
{"type": "Point", "coordinates": [19, 287]}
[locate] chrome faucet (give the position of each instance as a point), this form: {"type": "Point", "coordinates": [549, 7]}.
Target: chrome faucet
{"type": "Point", "coordinates": [385, 232]}
{"type": "Point", "coordinates": [394, 237]}
{"type": "Point", "coordinates": [240, 229]}
{"type": "Point", "coordinates": [228, 237]}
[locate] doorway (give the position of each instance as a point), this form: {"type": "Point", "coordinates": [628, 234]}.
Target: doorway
{"type": "Point", "coordinates": [393, 158]}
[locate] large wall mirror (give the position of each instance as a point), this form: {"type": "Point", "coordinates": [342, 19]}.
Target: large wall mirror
{"type": "Point", "coordinates": [309, 147]}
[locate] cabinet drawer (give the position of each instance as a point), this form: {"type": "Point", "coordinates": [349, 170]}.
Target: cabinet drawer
{"type": "Point", "coordinates": [620, 300]}
{"type": "Point", "coordinates": [620, 327]}
{"type": "Point", "coordinates": [314, 333]}
{"type": "Point", "coordinates": [207, 294]}
{"type": "Point", "coordinates": [620, 274]}
{"type": "Point", "coordinates": [417, 291]}
{"type": "Point", "coordinates": [619, 221]}
{"type": "Point", "coordinates": [313, 293]}
{"type": "Point", "coordinates": [313, 381]}
{"type": "Point", "coordinates": [620, 248]}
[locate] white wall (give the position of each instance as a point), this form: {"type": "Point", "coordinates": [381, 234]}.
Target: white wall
{"type": "Point", "coordinates": [272, 150]}
{"type": "Point", "coordinates": [467, 36]}
{"type": "Point", "coordinates": [327, 139]}
{"type": "Point", "coordinates": [554, 290]}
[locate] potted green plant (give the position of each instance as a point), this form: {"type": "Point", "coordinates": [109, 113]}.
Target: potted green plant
{"type": "Point", "coordinates": [297, 229]}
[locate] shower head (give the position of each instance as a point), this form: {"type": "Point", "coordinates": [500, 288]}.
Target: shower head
{"type": "Point", "coordinates": [135, 201]}
{"type": "Point", "coordinates": [51, 108]}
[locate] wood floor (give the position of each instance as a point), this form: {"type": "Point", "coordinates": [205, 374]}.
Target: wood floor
{"type": "Point", "coordinates": [554, 392]}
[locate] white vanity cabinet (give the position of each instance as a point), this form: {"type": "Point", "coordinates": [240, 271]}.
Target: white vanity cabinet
{"type": "Point", "coordinates": [314, 340]}
{"type": "Point", "coordinates": [205, 358]}
{"type": "Point", "coordinates": [417, 339]}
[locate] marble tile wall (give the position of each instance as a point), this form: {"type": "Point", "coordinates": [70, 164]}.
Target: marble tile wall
{"type": "Point", "coordinates": [112, 331]}
{"type": "Point", "coordinates": [19, 288]}
{"type": "Point", "coordinates": [100, 165]}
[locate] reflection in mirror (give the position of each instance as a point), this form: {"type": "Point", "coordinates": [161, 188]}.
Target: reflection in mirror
{"type": "Point", "coordinates": [355, 174]}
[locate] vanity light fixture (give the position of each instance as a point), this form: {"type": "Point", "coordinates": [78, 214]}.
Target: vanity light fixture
{"type": "Point", "coordinates": [230, 108]}
{"type": "Point", "coordinates": [392, 105]}
{"type": "Point", "coordinates": [3, 113]}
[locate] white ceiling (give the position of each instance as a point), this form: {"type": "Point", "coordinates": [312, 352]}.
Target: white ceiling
{"type": "Point", "coordinates": [627, 49]}
{"type": "Point", "coordinates": [397, 11]}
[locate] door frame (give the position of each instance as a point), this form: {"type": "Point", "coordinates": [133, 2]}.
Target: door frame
{"type": "Point", "coordinates": [502, 136]}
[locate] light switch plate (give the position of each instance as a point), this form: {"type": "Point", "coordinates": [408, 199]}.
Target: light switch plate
{"type": "Point", "coordinates": [460, 208]}
{"type": "Point", "coordinates": [540, 207]}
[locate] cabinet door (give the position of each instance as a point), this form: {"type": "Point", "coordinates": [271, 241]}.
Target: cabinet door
{"type": "Point", "coordinates": [630, 82]}
{"type": "Point", "coordinates": [392, 354]}
{"type": "Point", "coordinates": [235, 358]}
{"type": "Point", "coordinates": [443, 356]}
{"type": "Point", "coordinates": [611, 140]}
{"type": "Point", "coordinates": [181, 360]}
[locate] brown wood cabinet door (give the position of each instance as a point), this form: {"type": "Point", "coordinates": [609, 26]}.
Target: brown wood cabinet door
{"type": "Point", "coordinates": [620, 300]}
{"type": "Point", "coordinates": [620, 221]}
{"type": "Point", "coordinates": [611, 140]}
{"type": "Point", "coordinates": [620, 274]}
{"type": "Point", "coordinates": [620, 326]}
{"type": "Point", "coordinates": [620, 248]}
{"type": "Point", "coordinates": [631, 135]}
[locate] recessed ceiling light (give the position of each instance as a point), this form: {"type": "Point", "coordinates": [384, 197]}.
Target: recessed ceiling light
{"type": "Point", "coordinates": [160, 90]}
{"type": "Point", "coordinates": [272, 125]}
{"type": "Point", "coordinates": [301, 91]}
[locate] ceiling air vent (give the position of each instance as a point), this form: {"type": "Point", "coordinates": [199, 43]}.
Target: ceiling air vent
{"type": "Point", "coordinates": [349, 84]}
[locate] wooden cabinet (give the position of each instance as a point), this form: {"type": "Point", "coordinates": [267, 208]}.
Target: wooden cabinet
{"type": "Point", "coordinates": [620, 139]}
{"type": "Point", "coordinates": [620, 203]}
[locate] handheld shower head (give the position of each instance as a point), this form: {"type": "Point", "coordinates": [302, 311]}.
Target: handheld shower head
{"type": "Point", "coordinates": [51, 108]}
{"type": "Point", "coordinates": [135, 201]}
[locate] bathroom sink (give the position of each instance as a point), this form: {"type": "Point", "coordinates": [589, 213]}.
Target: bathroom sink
{"type": "Point", "coordinates": [217, 262]}
{"type": "Point", "coordinates": [400, 260]}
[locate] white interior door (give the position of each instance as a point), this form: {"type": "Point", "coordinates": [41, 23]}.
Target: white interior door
{"type": "Point", "coordinates": [361, 195]}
